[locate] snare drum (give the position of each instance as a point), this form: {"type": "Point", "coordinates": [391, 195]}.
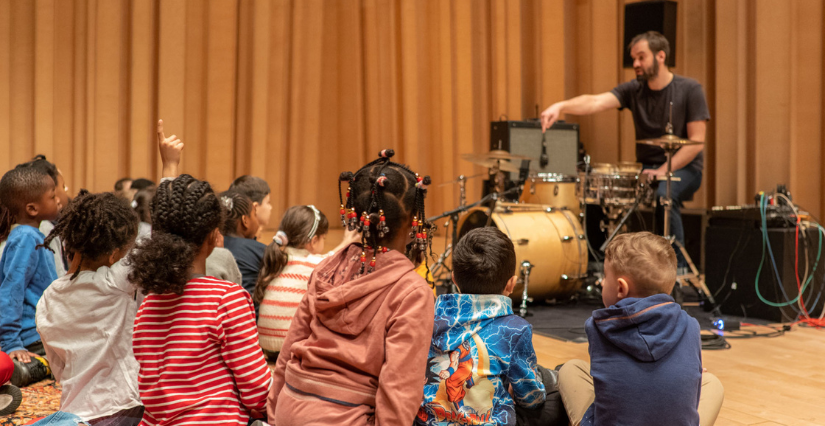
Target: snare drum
{"type": "Point", "coordinates": [609, 184]}
{"type": "Point", "coordinates": [552, 240]}
{"type": "Point", "coordinates": [552, 189]}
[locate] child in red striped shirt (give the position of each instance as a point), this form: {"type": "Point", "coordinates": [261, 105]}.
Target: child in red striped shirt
{"type": "Point", "coordinates": [194, 335]}
{"type": "Point", "coordinates": [288, 262]}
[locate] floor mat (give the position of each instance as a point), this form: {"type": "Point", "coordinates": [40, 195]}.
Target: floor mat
{"type": "Point", "coordinates": [39, 399]}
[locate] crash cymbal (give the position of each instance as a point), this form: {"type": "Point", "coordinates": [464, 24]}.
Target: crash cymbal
{"type": "Point", "coordinates": [503, 165]}
{"type": "Point", "coordinates": [668, 141]}
{"type": "Point", "coordinates": [506, 161]}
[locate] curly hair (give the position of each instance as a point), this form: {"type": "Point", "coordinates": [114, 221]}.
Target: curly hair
{"type": "Point", "coordinates": [184, 212]}
{"type": "Point", "coordinates": [237, 205]}
{"type": "Point", "coordinates": [296, 224]}
{"type": "Point", "coordinates": [94, 225]}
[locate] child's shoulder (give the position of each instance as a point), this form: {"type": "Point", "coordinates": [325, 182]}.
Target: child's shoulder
{"type": "Point", "coordinates": [24, 233]}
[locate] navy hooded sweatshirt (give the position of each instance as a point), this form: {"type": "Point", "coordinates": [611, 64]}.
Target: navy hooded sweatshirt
{"type": "Point", "coordinates": [646, 363]}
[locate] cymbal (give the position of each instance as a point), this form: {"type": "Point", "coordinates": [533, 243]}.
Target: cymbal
{"type": "Point", "coordinates": [669, 141]}
{"type": "Point", "coordinates": [466, 178]}
{"type": "Point", "coordinates": [496, 158]}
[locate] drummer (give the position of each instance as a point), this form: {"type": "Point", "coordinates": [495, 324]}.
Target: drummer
{"type": "Point", "coordinates": [648, 97]}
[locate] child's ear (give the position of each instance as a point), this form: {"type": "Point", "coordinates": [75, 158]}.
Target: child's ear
{"type": "Point", "coordinates": [511, 284]}
{"type": "Point", "coordinates": [245, 219]}
{"type": "Point", "coordinates": [31, 209]}
{"type": "Point", "coordinates": [622, 288]}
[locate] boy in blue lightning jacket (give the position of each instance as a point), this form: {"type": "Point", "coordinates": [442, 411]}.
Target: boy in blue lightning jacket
{"type": "Point", "coordinates": [481, 363]}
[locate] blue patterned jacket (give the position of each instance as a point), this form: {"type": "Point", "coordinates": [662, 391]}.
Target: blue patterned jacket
{"type": "Point", "coordinates": [479, 349]}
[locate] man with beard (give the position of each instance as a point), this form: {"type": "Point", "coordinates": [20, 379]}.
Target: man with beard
{"type": "Point", "coordinates": [648, 98]}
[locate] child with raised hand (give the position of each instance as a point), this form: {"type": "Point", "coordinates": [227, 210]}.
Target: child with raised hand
{"type": "Point", "coordinates": [357, 347]}
{"type": "Point", "coordinates": [239, 230]}
{"type": "Point", "coordinates": [645, 351]}
{"type": "Point", "coordinates": [480, 349]}
{"type": "Point", "coordinates": [27, 197]}
{"type": "Point", "coordinates": [295, 250]}
{"type": "Point", "coordinates": [194, 336]}
{"type": "Point", "coordinates": [85, 318]}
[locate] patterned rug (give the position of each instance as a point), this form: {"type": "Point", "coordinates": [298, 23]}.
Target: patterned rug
{"type": "Point", "coordinates": [39, 399]}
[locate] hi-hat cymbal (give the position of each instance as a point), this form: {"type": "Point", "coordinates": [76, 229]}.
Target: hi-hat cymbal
{"type": "Point", "coordinates": [668, 141]}
{"type": "Point", "coordinates": [496, 158]}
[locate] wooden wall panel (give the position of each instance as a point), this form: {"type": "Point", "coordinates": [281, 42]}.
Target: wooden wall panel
{"type": "Point", "coordinates": [297, 91]}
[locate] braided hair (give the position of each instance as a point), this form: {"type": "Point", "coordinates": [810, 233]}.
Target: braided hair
{"type": "Point", "coordinates": [94, 225]}
{"type": "Point", "coordinates": [384, 194]}
{"type": "Point", "coordinates": [237, 205]}
{"type": "Point", "coordinates": [184, 212]}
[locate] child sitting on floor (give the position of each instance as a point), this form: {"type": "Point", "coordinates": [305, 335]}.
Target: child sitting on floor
{"type": "Point", "coordinates": [288, 262]}
{"type": "Point", "coordinates": [194, 336]}
{"type": "Point", "coordinates": [239, 229]}
{"type": "Point", "coordinates": [645, 351]}
{"type": "Point", "coordinates": [480, 349]}
{"type": "Point", "coordinates": [27, 197]}
{"type": "Point", "coordinates": [357, 347]}
{"type": "Point", "coordinates": [85, 318]}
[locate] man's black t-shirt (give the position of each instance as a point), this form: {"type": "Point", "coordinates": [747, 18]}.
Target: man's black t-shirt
{"type": "Point", "coordinates": [651, 109]}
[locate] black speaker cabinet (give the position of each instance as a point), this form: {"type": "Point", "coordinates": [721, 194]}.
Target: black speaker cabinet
{"type": "Point", "coordinates": [524, 138]}
{"type": "Point", "coordinates": [732, 259]}
{"type": "Point", "coordinates": [647, 16]}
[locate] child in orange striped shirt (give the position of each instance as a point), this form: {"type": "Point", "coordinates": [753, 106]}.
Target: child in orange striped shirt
{"type": "Point", "coordinates": [288, 262]}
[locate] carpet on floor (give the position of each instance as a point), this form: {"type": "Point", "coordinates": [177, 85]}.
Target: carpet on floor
{"type": "Point", "coordinates": [39, 399]}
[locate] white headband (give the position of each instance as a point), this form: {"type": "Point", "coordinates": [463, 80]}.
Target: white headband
{"type": "Point", "coordinates": [317, 221]}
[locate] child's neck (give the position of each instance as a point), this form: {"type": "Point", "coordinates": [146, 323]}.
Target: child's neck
{"type": "Point", "coordinates": [79, 263]}
{"type": "Point", "coordinates": [28, 220]}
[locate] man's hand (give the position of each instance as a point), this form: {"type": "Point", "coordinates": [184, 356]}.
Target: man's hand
{"type": "Point", "coordinates": [170, 152]}
{"type": "Point", "coordinates": [655, 174]}
{"type": "Point", "coordinates": [22, 355]}
{"type": "Point", "coordinates": [444, 374]}
{"type": "Point", "coordinates": [550, 116]}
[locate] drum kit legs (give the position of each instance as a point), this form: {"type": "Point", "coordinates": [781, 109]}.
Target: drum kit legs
{"type": "Point", "coordinates": [544, 221]}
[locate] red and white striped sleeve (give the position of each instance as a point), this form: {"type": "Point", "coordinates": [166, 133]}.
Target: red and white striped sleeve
{"type": "Point", "coordinates": [240, 349]}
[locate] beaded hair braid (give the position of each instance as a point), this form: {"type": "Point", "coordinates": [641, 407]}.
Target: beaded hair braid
{"type": "Point", "coordinates": [374, 215]}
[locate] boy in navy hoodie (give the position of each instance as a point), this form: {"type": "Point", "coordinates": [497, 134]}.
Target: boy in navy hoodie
{"type": "Point", "coordinates": [481, 363]}
{"type": "Point", "coordinates": [645, 351]}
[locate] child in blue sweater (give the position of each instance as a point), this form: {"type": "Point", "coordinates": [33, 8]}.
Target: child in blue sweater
{"type": "Point", "coordinates": [27, 197]}
{"type": "Point", "coordinates": [482, 365]}
{"type": "Point", "coordinates": [645, 351]}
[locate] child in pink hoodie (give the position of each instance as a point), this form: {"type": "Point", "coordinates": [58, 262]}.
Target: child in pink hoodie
{"type": "Point", "coordinates": [356, 351]}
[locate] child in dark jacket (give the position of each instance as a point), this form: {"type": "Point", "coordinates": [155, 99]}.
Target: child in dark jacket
{"type": "Point", "coordinates": [481, 363]}
{"type": "Point", "coordinates": [645, 351]}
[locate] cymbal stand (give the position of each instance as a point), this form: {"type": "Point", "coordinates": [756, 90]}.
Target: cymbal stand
{"type": "Point", "coordinates": [667, 203]}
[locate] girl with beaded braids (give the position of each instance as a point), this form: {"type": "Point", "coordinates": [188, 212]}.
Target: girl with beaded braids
{"type": "Point", "coordinates": [193, 334]}
{"type": "Point", "coordinates": [94, 300]}
{"type": "Point", "coordinates": [357, 347]}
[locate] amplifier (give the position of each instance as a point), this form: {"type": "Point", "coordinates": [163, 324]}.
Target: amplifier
{"type": "Point", "coordinates": [733, 254]}
{"type": "Point", "coordinates": [525, 138]}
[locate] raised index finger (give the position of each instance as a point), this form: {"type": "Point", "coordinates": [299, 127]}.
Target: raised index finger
{"type": "Point", "coordinates": [161, 137]}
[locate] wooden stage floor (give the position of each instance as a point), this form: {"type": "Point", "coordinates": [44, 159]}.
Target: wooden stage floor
{"type": "Point", "coordinates": [768, 381]}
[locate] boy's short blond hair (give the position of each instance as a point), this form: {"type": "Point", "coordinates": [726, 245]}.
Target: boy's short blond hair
{"type": "Point", "coordinates": [647, 260]}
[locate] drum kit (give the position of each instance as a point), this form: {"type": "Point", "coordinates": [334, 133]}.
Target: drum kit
{"type": "Point", "coordinates": [543, 217]}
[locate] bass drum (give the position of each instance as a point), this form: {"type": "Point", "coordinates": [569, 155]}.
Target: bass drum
{"type": "Point", "coordinates": [551, 239]}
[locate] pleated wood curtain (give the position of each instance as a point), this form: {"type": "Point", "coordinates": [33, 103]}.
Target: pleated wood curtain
{"type": "Point", "coordinates": [296, 91]}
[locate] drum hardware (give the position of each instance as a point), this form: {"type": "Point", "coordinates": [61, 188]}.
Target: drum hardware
{"type": "Point", "coordinates": [671, 143]}
{"type": "Point", "coordinates": [522, 241]}
{"type": "Point", "coordinates": [453, 222]}
{"type": "Point", "coordinates": [526, 268]}
{"type": "Point", "coordinates": [462, 187]}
